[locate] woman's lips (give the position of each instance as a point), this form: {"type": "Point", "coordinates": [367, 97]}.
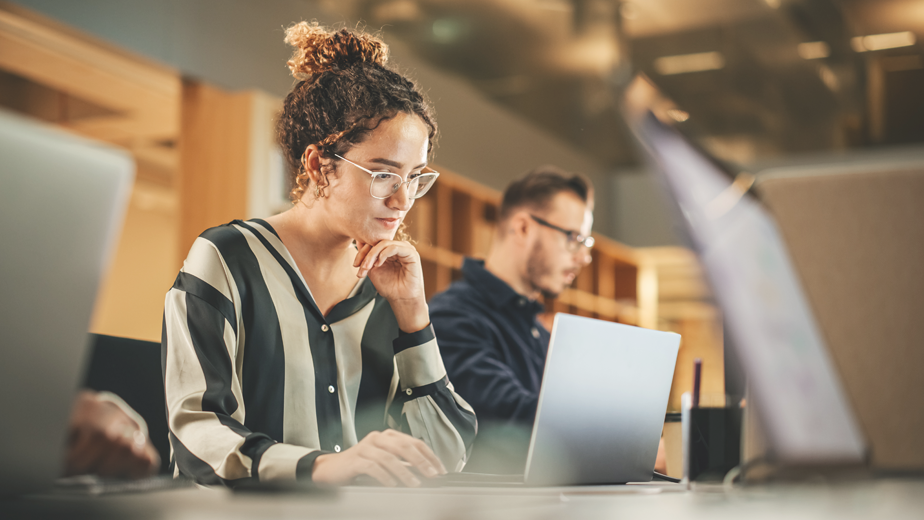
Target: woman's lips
{"type": "Point", "coordinates": [389, 223]}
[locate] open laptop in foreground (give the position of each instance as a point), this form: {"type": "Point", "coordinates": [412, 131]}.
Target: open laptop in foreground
{"type": "Point", "coordinates": [601, 406]}
{"type": "Point", "coordinates": [62, 200]}
{"type": "Point", "coordinates": [804, 411]}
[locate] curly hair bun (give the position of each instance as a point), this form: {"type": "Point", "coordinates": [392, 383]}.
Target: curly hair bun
{"type": "Point", "coordinates": [318, 49]}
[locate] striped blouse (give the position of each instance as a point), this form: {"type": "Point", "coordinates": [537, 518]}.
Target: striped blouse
{"type": "Point", "coordinates": [259, 383]}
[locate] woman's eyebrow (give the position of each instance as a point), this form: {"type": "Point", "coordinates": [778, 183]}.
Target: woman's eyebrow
{"type": "Point", "coordinates": [395, 164]}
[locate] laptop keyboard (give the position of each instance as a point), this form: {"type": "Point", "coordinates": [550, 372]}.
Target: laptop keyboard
{"type": "Point", "coordinates": [93, 485]}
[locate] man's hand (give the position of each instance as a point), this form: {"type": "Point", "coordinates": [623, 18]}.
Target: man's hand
{"type": "Point", "coordinates": [385, 456]}
{"type": "Point", "coordinates": [104, 440]}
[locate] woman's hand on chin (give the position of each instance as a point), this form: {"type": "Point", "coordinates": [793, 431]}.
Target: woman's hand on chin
{"type": "Point", "coordinates": [394, 268]}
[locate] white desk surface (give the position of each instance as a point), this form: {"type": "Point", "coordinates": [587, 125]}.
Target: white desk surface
{"type": "Point", "coordinates": [879, 499]}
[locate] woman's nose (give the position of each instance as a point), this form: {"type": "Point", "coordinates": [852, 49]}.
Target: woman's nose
{"type": "Point", "coordinates": [401, 199]}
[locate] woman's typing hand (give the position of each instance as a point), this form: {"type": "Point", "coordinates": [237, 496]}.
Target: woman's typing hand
{"type": "Point", "coordinates": [387, 456]}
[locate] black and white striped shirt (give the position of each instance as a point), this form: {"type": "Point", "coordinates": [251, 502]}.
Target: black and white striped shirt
{"type": "Point", "coordinates": [259, 383]}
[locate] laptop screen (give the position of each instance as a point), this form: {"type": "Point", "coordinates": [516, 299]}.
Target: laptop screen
{"type": "Point", "coordinates": [62, 199]}
{"type": "Point", "coordinates": [793, 382]}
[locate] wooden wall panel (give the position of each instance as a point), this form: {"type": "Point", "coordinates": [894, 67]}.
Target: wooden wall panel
{"type": "Point", "coordinates": [143, 96]}
{"type": "Point", "coordinates": [130, 302]}
{"type": "Point", "coordinates": [64, 77]}
{"type": "Point", "coordinates": [214, 159]}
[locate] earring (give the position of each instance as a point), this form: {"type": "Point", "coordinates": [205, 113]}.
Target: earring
{"type": "Point", "coordinates": [318, 188]}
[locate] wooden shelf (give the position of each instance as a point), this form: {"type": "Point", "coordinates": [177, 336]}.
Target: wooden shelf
{"type": "Point", "coordinates": [683, 304]}
{"type": "Point", "coordinates": [458, 219]}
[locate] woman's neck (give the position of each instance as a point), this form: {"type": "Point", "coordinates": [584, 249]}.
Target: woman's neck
{"type": "Point", "coordinates": [311, 241]}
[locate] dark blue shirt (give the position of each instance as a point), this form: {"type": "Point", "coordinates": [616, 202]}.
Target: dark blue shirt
{"type": "Point", "coordinates": [494, 350]}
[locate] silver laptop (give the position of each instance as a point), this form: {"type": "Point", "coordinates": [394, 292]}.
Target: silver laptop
{"type": "Point", "coordinates": [794, 383]}
{"type": "Point", "coordinates": [602, 402]}
{"type": "Point", "coordinates": [62, 200]}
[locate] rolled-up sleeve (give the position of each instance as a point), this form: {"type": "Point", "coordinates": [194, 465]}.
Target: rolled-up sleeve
{"type": "Point", "coordinates": [430, 409]}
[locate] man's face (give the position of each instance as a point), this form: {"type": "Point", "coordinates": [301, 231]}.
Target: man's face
{"type": "Point", "coordinates": [553, 263]}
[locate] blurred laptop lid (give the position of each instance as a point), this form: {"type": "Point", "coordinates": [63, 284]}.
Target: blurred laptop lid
{"type": "Point", "coordinates": [794, 384]}
{"type": "Point", "coordinates": [62, 200]}
{"type": "Point", "coordinates": [602, 402]}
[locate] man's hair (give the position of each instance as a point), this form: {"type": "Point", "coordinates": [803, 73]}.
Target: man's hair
{"type": "Point", "coordinates": [536, 189]}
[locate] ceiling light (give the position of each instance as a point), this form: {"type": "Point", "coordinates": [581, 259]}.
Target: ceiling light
{"type": "Point", "coordinates": [878, 42]}
{"type": "Point", "coordinates": [628, 10]}
{"type": "Point", "coordinates": [773, 3]}
{"type": "Point", "coordinates": [397, 11]}
{"type": "Point", "coordinates": [448, 30]}
{"type": "Point", "coordinates": [678, 115]}
{"type": "Point", "coordinates": [813, 50]}
{"type": "Point", "coordinates": [829, 78]}
{"type": "Point", "coordinates": [667, 65]}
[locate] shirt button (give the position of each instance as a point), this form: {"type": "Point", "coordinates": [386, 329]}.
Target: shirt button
{"type": "Point", "coordinates": [337, 448]}
{"type": "Point", "coordinates": [535, 332]}
{"type": "Point", "coordinates": [330, 388]}
{"type": "Point", "coordinates": [325, 328]}
{"type": "Point", "coordinates": [409, 391]}
{"type": "Point", "coordinates": [521, 302]}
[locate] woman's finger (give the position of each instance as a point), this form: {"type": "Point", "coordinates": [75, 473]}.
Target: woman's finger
{"type": "Point", "coordinates": [392, 249]}
{"type": "Point", "coordinates": [428, 454]}
{"type": "Point", "coordinates": [384, 255]}
{"type": "Point", "coordinates": [379, 252]}
{"type": "Point", "coordinates": [388, 459]}
{"type": "Point", "coordinates": [372, 258]}
{"type": "Point", "coordinates": [415, 451]}
{"type": "Point", "coordinates": [362, 251]}
{"type": "Point", "coordinates": [376, 471]}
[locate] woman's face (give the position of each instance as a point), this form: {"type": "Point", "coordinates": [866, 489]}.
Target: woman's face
{"type": "Point", "coordinates": [398, 145]}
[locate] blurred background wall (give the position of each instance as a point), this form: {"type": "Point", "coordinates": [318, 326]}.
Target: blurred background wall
{"type": "Point", "coordinates": [238, 45]}
{"type": "Point", "coordinates": [517, 83]}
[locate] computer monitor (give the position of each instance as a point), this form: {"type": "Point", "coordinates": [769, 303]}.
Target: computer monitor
{"type": "Point", "coordinates": [803, 408]}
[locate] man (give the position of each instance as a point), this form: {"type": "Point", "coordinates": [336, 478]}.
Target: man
{"type": "Point", "coordinates": [492, 344]}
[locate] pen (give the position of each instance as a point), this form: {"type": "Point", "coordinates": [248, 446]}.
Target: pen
{"type": "Point", "coordinates": [697, 375]}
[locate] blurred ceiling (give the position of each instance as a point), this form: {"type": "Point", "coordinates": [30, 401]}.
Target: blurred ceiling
{"type": "Point", "coordinates": [755, 79]}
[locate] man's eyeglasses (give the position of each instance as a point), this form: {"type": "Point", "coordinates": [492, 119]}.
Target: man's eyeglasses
{"type": "Point", "coordinates": [385, 184]}
{"type": "Point", "coordinates": [575, 240]}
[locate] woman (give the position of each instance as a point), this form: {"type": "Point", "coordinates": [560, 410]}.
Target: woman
{"type": "Point", "coordinates": [298, 346]}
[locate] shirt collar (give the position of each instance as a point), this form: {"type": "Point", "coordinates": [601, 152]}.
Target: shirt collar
{"type": "Point", "coordinates": [502, 295]}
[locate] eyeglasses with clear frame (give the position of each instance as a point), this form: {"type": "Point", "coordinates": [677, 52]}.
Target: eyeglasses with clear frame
{"type": "Point", "coordinates": [386, 184]}
{"type": "Point", "coordinates": [575, 240]}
